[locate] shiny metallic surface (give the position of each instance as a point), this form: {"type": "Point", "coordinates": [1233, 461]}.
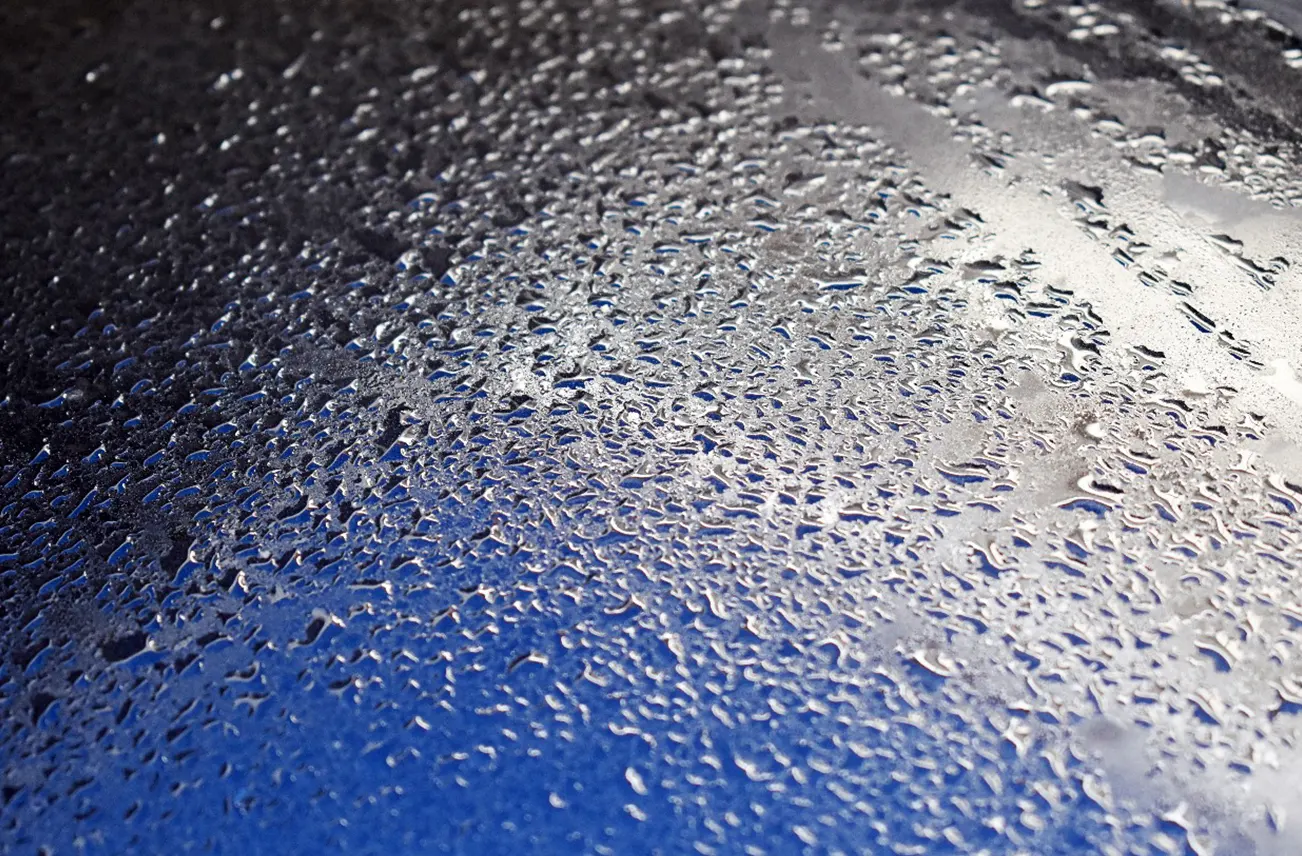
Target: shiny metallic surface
{"type": "Point", "coordinates": [621, 426]}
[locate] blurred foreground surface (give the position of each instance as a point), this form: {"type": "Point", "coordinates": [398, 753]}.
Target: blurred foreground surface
{"type": "Point", "coordinates": [597, 426]}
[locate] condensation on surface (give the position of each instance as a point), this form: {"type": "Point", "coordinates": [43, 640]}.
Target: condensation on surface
{"type": "Point", "coordinates": [739, 427]}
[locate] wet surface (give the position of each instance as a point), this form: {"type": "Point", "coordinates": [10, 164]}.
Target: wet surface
{"type": "Point", "coordinates": [730, 427]}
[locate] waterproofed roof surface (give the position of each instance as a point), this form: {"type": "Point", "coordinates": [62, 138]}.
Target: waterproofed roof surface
{"type": "Point", "coordinates": [617, 426]}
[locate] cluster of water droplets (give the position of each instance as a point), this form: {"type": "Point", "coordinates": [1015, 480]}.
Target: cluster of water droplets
{"type": "Point", "coordinates": [743, 428]}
